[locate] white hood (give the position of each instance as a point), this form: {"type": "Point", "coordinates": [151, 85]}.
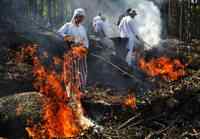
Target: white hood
{"type": "Point", "coordinates": [78, 12]}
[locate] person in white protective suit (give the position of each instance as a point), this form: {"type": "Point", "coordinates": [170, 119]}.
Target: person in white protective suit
{"type": "Point", "coordinates": [76, 31]}
{"type": "Point", "coordinates": [75, 28]}
{"type": "Point", "coordinates": [99, 26]}
{"type": "Point", "coordinates": [101, 29]}
{"type": "Point", "coordinates": [127, 30]}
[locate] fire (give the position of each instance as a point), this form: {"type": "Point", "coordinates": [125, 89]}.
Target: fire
{"type": "Point", "coordinates": [79, 51]}
{"type": "Point", "coordinates": [62, 115]}
{"type": "Point", "coordinates": [165, 67]}
{"type": "Point", "coordinates": [59, 120]}
{"type": "Point", "coordinates": [26, 51]}
{"type": "Point", "coordinates": [130, 102]}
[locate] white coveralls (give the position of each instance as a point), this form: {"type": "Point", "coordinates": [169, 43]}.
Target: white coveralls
{"type": "Point", "coordinates": [99, 26]}
{"type": "Point", "coordinates": [78, 32]}
{"type": "Point", "coordinates": [80, 36]}
{"type": "Point", "coordinates": [101, 29]}
{"type": "Point", "coordinates": [127, 30]}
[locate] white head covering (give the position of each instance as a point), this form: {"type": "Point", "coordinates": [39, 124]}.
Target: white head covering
{"type": "Point", "coordinates": [96, 18]}
{"type": "Point", "coordinates": [78, 12]}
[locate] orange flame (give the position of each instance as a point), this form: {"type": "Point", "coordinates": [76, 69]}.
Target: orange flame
{"type": "Point", "coordinates": [25, 52]}
{"type": "Point", "coordinates": [130, 102]}
{"type": "Point", "coordinates": [164, 67]}
{"type": "Point", "coordinates": [79, 51]}
{"type": "Point", "coordinates": [62, 114]}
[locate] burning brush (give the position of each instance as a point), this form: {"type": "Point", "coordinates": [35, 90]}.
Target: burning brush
{"type": "Point", "coordinates": [130, 102]}
{"type": "Point", "coordinates": [167, 68]}
{"type": "Point", "coordinates": [62, 113]}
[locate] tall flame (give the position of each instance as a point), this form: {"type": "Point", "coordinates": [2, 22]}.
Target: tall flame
{"type": "Point", "coordinates": [62, 114]}
{"type": "Point", "coordinates": [164, 67]}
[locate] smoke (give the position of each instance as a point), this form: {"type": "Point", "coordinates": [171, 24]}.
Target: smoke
{"type": "Point", "coordinates": [148, 23]}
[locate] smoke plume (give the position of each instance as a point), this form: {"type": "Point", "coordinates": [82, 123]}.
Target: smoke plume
{"type": "Point", "coordinates": [148, 23]}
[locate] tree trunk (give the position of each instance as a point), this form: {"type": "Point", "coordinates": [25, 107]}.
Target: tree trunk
{"type": "Point", "coordinates": [61, 9]}
{"type": "Point", "coordinates": [50, 11]}
{"type": "Point", "coordinates": [42, 4]}
{"type": "Point", "coordinates": [54, 10]}
{"type": "Point", "coordinates": [35, 9]}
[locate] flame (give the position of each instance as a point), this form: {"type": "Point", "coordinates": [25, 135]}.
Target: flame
{"type": "Point", "coordinates": [62, 114]}
{"type": "Point", "coordinates": [164, 67]}
{"type": "Point", "coordinates": [79, 51]}
{"type": "Point", "coordinates": [26, 51]}
{"type": "Point", "coordinates": [130, 102]}
{"type": "Point", "coordinates": [59, 120]}
{"type": "Point", "coordinates": [62, 122]}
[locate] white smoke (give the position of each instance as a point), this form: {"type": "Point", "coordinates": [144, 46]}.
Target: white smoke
{"type": "Point", "coordinates": [148, 23]}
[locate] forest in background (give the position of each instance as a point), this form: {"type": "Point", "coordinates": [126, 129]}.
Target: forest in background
{"type": "Point", "coordinates": [181, 17]}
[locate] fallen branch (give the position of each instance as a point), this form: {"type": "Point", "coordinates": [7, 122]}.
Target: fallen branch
{"type": "Point", "coordinates": [129, 120]}
{"type": "Point", "coordinates": [157, 133]}
{"type": "Point", "coordinates": [190, 134]}
{"type": "Point", "coordinates": [161, 130]}
{"type": "Point", "coordinates": [152, 118]}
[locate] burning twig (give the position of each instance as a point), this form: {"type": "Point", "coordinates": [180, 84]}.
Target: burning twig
{"type": "Point", "coordinates": [130, 101]}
